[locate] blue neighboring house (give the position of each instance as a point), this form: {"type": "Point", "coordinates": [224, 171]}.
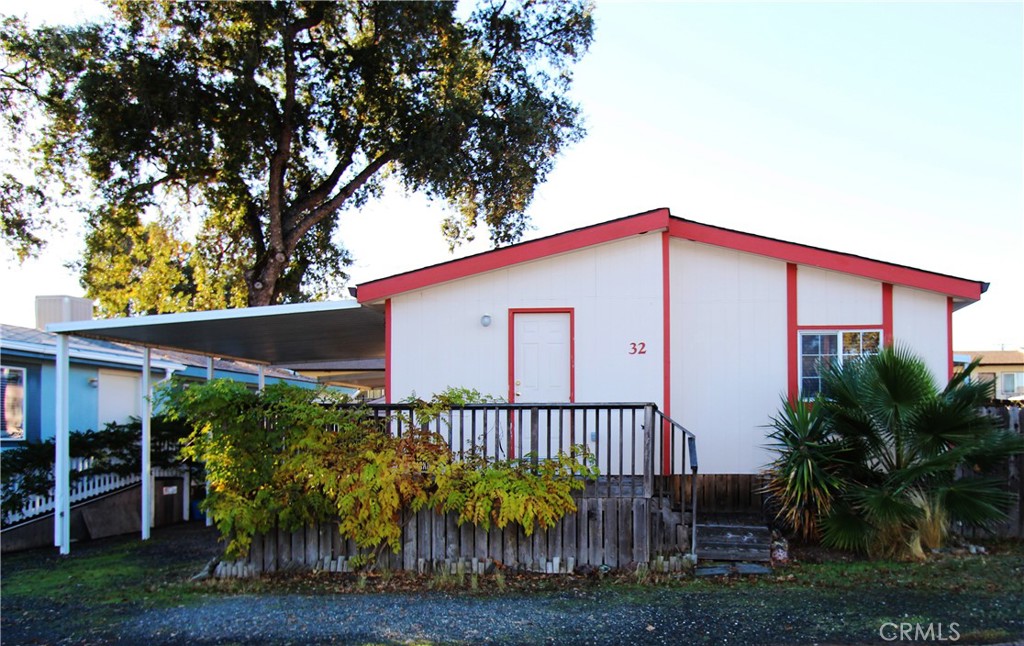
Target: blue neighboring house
{"type": "Point", "coordinates": [105, 381]}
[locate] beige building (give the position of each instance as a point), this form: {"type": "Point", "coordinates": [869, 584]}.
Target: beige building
{"type": "Point", "coordinates": [1004, 367]}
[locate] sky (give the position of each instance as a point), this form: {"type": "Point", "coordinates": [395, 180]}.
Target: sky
{"type": "Point", "coordinates": [889, 130]}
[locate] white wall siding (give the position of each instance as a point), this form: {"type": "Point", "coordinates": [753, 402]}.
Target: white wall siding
{"type": "Point", "coordinates": [615, 292]}
{"type": "Point", "coordinates": [832, 298]}
{"type": "Point", "coordinates": [119, 394]}
{"type": "Point", "coordinates": [919, 321]}
{"type": "Point", "coordinates": [728, 320]}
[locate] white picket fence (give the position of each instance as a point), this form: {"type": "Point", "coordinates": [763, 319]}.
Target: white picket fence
{"type": "Point", "coordinates": [81, 489]}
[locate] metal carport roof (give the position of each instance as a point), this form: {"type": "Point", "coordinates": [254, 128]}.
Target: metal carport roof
{"type": "Point", "coordinates": [278, 335]}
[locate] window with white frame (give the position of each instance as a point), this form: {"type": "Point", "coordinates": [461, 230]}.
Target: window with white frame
{"type": "Point", "coordinates": [820, 349]}
{"type": "Point", "coordinates": [12, 394]}
{"type": "Point", "coordinates": [1013, 384]}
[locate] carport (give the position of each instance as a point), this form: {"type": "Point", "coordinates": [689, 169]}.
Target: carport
{"type": "Point", "coordinates": [339, 342]}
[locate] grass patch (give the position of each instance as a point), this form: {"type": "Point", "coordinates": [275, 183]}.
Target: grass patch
{"type": "Point", "coordinates": [45, 597]}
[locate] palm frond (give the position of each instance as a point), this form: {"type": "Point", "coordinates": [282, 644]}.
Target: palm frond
{"type": "Point", "coordinates": [975, 501]}
{"type": "Point", "coordinates": [846, 529]}
{"type": "Point", "coordinates": [883, 506]}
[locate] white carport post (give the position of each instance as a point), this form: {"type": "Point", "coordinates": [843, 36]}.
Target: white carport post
{"type": "Point", "coordinates": [261, 378]}
{"type": "Point", "coordinates": [147, 433]}
{"type": "Point", "coordinates": [62, 459]}
{"type": "Point", "coordinates": [209, 377]}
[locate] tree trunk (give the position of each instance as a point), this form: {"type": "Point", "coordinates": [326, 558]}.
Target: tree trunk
{"type": "Point", "coordinates": [263, 279]}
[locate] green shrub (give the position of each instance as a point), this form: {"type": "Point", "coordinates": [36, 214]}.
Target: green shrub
{"type": "Point", "coordinates": [290, 456]}
{"type": "Point", "coordinates": [883, 461]}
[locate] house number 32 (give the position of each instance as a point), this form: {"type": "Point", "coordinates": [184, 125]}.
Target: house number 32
{"type": "Point", "coordinates": [639, 347]}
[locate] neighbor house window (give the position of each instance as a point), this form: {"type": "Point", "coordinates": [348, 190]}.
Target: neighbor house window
{"type": "Point", "coordinates": [818, 350]}
{"type": "Point", "coordinates": [986, 377]}
{"type": "Point", "coordinates": [12, 393]}
{"type": "Point", "coordinates": [1013, 383]}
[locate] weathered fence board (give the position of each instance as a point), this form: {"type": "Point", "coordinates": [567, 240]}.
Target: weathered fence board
{"type": "Point", "coordinates": [728, 493]}
{"type": "Point", "coordinates": [617, 532]}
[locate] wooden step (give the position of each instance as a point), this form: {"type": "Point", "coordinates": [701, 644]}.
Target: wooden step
{"type": "Point", "coordinates": [719, 541]}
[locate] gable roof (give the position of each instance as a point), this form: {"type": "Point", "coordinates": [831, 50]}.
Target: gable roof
{"type": "Point", "coordinates": [961, 289]}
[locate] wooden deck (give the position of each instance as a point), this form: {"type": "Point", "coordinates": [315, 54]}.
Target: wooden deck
{"type": "Point", "coordinates": [624, 518]}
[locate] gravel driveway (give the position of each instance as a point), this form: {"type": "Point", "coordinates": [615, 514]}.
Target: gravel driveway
{"type": "Point", "coordinates": [74, 611]}
{"type": "Point", "coordinates": [578, 617]}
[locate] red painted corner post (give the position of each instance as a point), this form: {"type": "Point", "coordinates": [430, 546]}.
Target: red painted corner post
{"type": "Point", "coordinates": [792, 349]}
{"type": "Point", "coordinates": [387, 351]}
{"type": "Point", "coordinates": [887, 334]}
{"type": "Point", "coordinates": [666, 350]}
{"type": "Point", "coordinates": [949, 335]}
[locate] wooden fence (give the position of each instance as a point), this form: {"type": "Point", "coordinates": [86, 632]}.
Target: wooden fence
{"type": "Point", "coordinates": [613, 532]}
{"type": "Point", "coordinates": [623, 518]}
{"type": "Point", "coordinates": [1011, 417]}
{"type": "Point", "coordinates": [724, 493]}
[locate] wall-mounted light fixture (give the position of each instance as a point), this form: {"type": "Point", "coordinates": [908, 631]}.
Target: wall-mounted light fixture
{"type": "Point", "coordinates": [485, 320]}
{"type": "Point", "coordinates": [94, 382]}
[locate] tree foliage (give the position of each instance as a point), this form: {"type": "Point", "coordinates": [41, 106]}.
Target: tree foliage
{"type": "Point", "coordinates": [223, 140]}
{"type": "Point", "coordinates": [884, 461]}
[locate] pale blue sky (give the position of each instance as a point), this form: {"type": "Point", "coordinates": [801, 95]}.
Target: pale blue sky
{"type": "Point", "coordinates": [891, 130]}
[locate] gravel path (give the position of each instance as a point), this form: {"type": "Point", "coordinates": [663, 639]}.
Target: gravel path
{"type": "Point", "coordinates": [576, 617]}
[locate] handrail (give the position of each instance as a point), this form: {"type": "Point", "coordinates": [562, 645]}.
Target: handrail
{"type": "Point", "coordinates": [691, 446]}
{"type": "Point", "coordinates": [508, 406]}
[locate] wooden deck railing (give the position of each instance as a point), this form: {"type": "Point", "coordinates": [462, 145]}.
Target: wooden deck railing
{"type": "Point", "coordinates": [688, 442]}
{"type": "Point", "coordinates": [630, 443]}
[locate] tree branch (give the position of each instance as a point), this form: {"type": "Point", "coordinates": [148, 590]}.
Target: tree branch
{"type": "Point", "coordinates": [279, 161]}
{"type": "Point", "coordinates": [332, 205]}
{"type": "Point", "coordinates": [318, 194]}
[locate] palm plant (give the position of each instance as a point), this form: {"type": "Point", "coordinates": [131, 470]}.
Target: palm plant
{"type": "Point", "coordinates": [895, 459]}
{"type": "Point", "coordinates": [803, 480]}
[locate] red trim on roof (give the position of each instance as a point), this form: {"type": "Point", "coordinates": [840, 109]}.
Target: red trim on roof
{"type": "Point", "coordinates": [825, 259]}
{"type": "Point", "coordinates": [515, 254]}
{"type": "Point", "coordinates": [661, 219]}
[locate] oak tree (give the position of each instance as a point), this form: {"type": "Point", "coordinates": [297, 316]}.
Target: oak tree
{"type": "Point", "coordinates": [220, 143]}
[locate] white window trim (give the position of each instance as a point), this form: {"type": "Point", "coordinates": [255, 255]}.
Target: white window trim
{"type": "Point", "coordinates": [839, 332]}
{"type": "Point", "coordinates": [24, 404]}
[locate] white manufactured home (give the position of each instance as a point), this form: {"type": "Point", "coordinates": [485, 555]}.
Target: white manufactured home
{"type": "Point", "coordinates": [711, 324]}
